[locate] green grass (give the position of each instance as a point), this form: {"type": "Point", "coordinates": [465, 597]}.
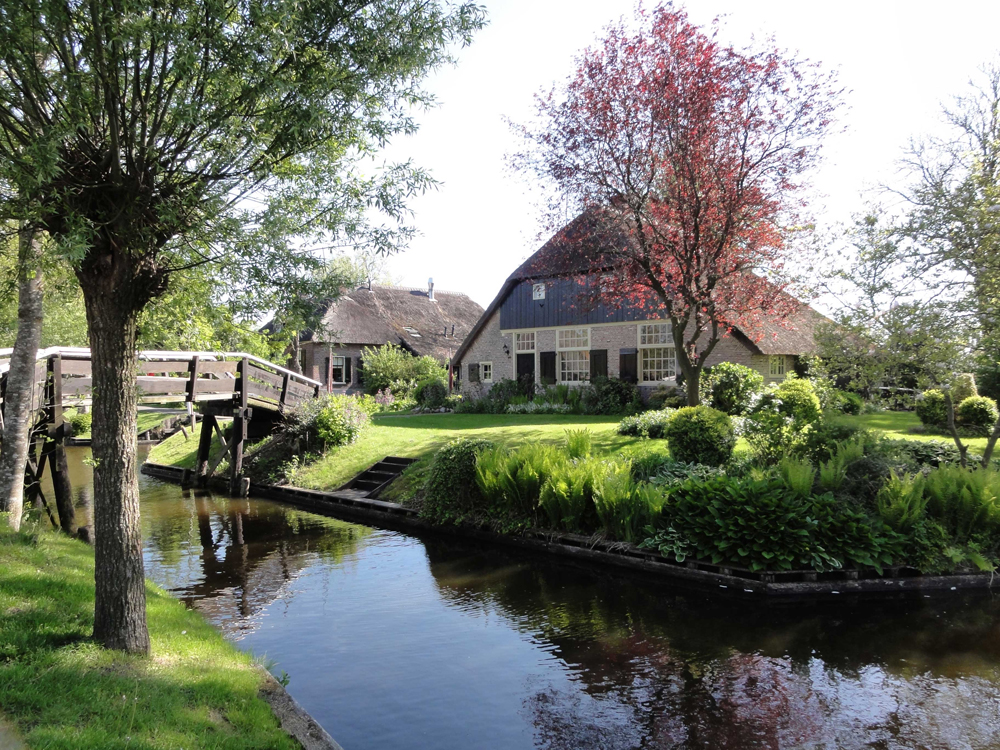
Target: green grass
{"type": "Point", "coordinates": [145, 421]}
{"type": "Point", "coordinates": [60, 690]}
{"type": "Point", "coordinates": [906, 425]}
{"type": "Point", "coordinates": [421, 436]}
{"type": "Point", "coordinates": [180, 450]}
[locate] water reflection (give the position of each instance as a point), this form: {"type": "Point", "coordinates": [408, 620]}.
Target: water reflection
{"type": "Point", "coordinates": [231, 558]}
{"type": "Point", "coordinates": [393, 641]}
{"type": "Point", "coordinates": [659, 669]}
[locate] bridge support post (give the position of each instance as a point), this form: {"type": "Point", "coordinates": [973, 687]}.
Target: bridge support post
{"type": "Point", "coordinates": [204, 449]}
{"type": "Point", "coordinates": [241, 416]}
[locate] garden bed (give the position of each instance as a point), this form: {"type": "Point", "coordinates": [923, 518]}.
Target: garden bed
{"type": "Point", "coordinates": [721, 578]}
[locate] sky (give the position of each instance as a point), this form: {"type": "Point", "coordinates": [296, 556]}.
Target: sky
{"type": "Point", "coordinates": [898, 61]}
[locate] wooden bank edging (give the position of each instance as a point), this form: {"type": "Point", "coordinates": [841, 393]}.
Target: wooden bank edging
{"type": "Point", "coordinates": [705, 575]}
{"type": "Point", "coordinates": [294, 719]}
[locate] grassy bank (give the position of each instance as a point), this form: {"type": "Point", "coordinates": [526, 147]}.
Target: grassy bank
{"type": "Point", "coordinates": [60, 690]}
{"type": "Point", "coordinates": [906, 425]}
{"type": "Point", "coordinates": [421, 436]}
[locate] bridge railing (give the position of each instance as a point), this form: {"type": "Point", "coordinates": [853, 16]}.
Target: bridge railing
{"type": "Point", "coordinates": [172, 376]}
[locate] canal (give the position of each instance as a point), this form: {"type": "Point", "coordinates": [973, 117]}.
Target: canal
{"type": "Point", "coordinates": [396, 641]}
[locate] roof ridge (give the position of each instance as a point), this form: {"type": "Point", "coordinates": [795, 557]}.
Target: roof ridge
{"type": "Point", "coordinates": [410, 289]}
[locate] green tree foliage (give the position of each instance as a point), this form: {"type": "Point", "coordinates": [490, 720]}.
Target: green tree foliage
{"type": "Point", "coordinates": [392, 368]}
{"type": "Point", "coordinates": [890, 330]}
{"type": "Point", "coordinates": [148, 139]}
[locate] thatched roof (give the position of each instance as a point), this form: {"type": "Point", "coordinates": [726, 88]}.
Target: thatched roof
{"type": "Point", "coordinates": [399, 315]}
{"type": "Point", "coordinates": [579, 248]}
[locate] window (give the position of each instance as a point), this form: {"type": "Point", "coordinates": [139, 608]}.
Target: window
{"type": "Point", "coordinates": [538, 291]}
{"type": "Point", "coordinates": [574, 338]}
{"type": "Point", "coordinates": [654, 334]}
{"type": "Point", "coordinates": [486, 371]}
{"type": "Point", "coordinates": [657, 360]}
{"type": "Point", "coordinates": [574, 367]}
{"type": "Point", "coordinates": [337, 371]}
{"type": "Point", "coordinates": [524, 342]}
{"type": "Point", "coordinates": [658, 363]}
{"type": "Point", "coordinates": [777, 362]}
{"type": "Point", "coordinates": [574, 357]}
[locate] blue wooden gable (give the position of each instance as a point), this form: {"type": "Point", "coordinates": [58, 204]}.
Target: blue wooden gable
{"type": "Point", "coordinates": [561, 307]}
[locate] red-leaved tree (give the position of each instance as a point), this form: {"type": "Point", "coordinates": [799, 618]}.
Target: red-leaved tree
{"type": "Point", "coordinates": [686, 160]}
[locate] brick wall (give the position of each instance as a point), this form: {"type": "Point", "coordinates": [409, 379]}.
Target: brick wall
{"type": "Point", "coordinates": [316, 354]}
{"type": "Point", "coordinates": [488, 347]}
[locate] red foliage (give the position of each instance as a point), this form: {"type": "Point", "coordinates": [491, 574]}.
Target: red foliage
{"type": "Point", "coordinates": [684, 158]}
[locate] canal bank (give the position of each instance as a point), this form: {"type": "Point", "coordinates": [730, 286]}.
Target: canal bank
{"type": "Point", "coordinates": [59, 689]}
{"type": "Point", "coordinates": [724, 579]}
{"type": "Point", "coordinates": [411, 641]}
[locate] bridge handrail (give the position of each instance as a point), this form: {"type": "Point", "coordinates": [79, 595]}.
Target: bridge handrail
{"type": "Point", "coordinates": [153, 355]}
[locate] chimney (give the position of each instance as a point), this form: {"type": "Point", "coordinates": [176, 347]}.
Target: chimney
{"type": "Point", "coordinates": [430, 289]}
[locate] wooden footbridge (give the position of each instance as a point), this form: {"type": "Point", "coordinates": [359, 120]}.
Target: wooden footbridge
{"type": "Point", "coordinates": [223, 384]}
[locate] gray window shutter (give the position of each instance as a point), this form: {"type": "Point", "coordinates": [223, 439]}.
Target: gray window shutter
{"type": "Point", "coordinates": [598, 363]}
{"type": "Point", "coordinates": [359, 366]}
{"type": "Point", "coordinates": [347, 370]}
{"type": "Point", "coordinates": [628, 365]}
{"type": "Point", "coordinates": [474, 373]}
{"type": "Point", "coordinates": [547, 367]}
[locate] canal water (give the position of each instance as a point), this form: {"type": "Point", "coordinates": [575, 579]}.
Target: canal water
{"type": "Point", "coordinates": [396, 641]}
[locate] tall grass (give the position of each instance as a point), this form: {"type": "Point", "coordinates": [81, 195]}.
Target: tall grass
{"type": "Point", "coordinates": [578, 442]}
{"type": "Point", "coordinates": [833, 472]}
{"type": "Point", "coordinates": [567, 498]}
{"type": "Point", "coordinates": [901, 502]}
{"type": "Point", "coordinates": [513, 480]}
{"type": "Point", "coordinates": [964, 501]}
{"type": "Point", "coordinates": [798, 475]}
{"type": "Point", "coordinates": [624, 507]}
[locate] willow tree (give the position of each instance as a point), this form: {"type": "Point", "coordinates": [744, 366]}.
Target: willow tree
{"type": "Point", "coordinates": [149, 137]}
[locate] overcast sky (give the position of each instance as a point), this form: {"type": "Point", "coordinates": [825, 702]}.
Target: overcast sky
{"type": "Point", "coordinates": [898, 61]}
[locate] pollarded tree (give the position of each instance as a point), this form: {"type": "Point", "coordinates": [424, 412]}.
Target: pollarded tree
{"type": "Point", "coordinates": [147, 138]}
{"type": "Point", "coordinates": [689, 156]}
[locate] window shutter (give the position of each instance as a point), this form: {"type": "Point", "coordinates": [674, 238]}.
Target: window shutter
{"type": "Point", "coordinates": [547, 365]}
{"type": "Point", "coordinates": [474, 373]}
{"type": "Point", "coordinates": [359, 366]}
{"type": "Point", "coordinates": [628, 365]}
{"type": "Point", "coordinates": [598, 363]}
{"type": "Point", "coordinates": [347, 370]}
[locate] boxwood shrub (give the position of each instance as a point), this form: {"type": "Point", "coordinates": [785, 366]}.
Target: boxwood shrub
{"type": "Point", "coordinates": [451, 491]}
{"type": "Point", "coordinates": [701, 435]}
{"type": "Point", "coordinates": [931, 408]}
{"type": "Point", "coordinates": [977, 413]}
{"type": "Point", "coordinates": [730, 387]}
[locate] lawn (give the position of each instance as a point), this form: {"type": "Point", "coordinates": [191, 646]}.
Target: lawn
{"type": "Point", "coordinates": [145, 421]}
{"type": "Point", "coordinates": [60, 690]}
{"type": "Point", "coordinates": [906, 425]}
{"type": "Point", "coordinates": [420, 436]}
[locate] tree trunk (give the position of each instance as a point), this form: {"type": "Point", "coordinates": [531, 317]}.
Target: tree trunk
{"type": "Point", "coordinates": [112, 313]}
{"type": "Point", "coordinates": [20, 378]}
{"type": "Point", "coordinates": [694, 386]}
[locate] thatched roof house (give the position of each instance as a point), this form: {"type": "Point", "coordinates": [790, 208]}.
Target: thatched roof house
{"type": "Point", "coordinates": [423, 321]}
{"type": "Point", "coordinates": [537, 328]}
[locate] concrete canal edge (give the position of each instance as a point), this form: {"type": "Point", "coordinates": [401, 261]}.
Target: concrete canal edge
{"type": "Point", "coordinates": [294, 719]}
{"type": "Point", "coordinates": [9, 739]}
{"type": "Point", "coordinates": [722, 578]}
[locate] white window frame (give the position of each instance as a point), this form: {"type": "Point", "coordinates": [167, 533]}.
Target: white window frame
{"type": "Point", "coordinates": [648, 341]}
{"type": "Point", "coordinates": [482, 372]}
{"type": "Point", "coordinates": [518, 342]}
{"type": "Point", "coordinates": [583, 375]}
{"type": "Point", "coordinates": [777, 365]}
{"type": "Point", "coordinates": [333, 369]}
